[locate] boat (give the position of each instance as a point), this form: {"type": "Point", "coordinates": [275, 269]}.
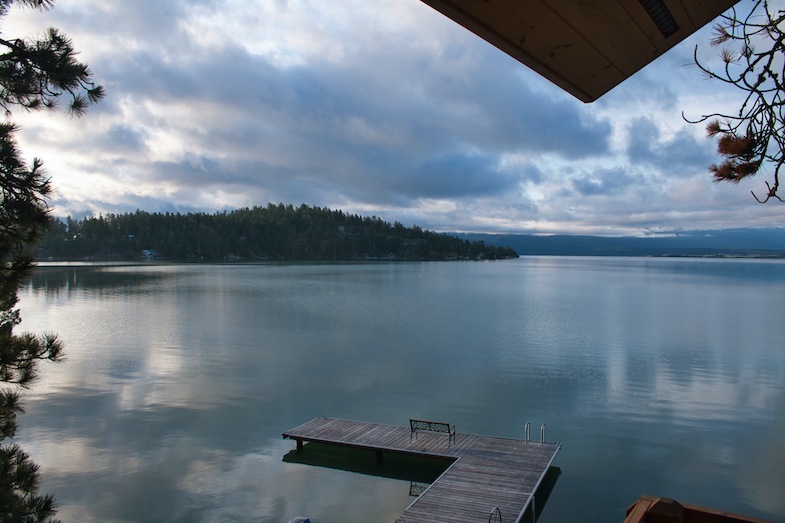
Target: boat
{"type": "Point", "coordinates": [649, 509]}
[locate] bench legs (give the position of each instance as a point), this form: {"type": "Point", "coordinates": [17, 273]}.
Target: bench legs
{"type": "Point", "coordinates": [450, 436]}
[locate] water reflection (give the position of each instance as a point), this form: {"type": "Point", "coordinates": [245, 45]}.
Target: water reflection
{"type": "Point", "coordinates": [56, 279]}
{"type": "Point", "coordinates": [179, 381]}
{"type": "Point", "coordinates": [419, 470]}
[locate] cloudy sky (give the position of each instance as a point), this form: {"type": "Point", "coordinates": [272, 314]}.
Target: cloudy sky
{"type": "Point", "coordinates": [382, 108]}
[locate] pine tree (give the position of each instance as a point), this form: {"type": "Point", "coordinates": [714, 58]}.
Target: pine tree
{"type": "Point", "coordinates": [750, 141]}
{"type": "Point", "coordinates": [34, 74]}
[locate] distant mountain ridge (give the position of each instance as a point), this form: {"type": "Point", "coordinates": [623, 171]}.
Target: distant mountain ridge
{"type": "Point", "coordinates": [762, 243]}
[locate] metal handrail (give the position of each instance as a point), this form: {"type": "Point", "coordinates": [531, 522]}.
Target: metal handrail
{"type": "Point", "coordinates": [527, 432]}
{"type": "Point", "coordinates": [495, 510]}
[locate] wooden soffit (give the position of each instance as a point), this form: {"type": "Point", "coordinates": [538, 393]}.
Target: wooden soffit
{"type": "Point", "coordinates": [586, 47]}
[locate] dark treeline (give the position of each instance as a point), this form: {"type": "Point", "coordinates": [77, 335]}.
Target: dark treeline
{"type": "Point", "coordinates": [275, 232]}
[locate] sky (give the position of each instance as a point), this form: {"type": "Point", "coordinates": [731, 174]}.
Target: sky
{"type": "Point", "coordinates": [384, 108]}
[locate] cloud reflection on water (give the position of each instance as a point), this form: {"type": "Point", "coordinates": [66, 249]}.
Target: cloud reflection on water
{"type": "Point", "coordinates": [177, 387]}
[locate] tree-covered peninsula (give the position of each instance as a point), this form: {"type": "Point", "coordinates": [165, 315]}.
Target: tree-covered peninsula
{"type": "Point", "coordinates": [274, 232]}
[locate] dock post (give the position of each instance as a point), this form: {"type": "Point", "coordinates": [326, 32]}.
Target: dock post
{"type": "Point", "coordinates": [299, 445]}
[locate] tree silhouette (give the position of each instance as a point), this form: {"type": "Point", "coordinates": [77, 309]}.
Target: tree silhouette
{"type": "Point", "coordinates": [752, 139]}
{"type": "Point", "coordinates": [274, 232]}
{"type": "Point", "coordinates": [34, 74]}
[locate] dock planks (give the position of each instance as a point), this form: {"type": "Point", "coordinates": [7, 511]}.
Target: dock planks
{"type": "Point", "coordinates": [487, 472]}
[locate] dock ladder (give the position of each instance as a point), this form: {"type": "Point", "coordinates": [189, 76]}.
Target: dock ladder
{"type": "Point", "coordinates": [495, 516]}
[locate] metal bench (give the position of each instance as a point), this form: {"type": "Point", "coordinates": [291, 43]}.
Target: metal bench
{"type": "Point", "coordinates": [432, 426]}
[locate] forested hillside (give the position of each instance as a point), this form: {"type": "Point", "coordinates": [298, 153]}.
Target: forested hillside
{"type": "Point", "coordinates": [275, 232]}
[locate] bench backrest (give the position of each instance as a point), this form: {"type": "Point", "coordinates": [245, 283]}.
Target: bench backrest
{"type": "Point", "coordinates": [434, 426]}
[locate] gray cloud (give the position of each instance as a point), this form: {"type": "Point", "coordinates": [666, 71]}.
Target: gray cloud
{"type": "Point", "coordinates": [122, 136]}
{"type": "Point", "coordinates": [459, 176]}
{"type": "Point", "coordinates": [389, 109]}
{"type": "Point", "coordinates": [603, 182]}
{"type": "Point", "coordinates": [673, 155]}
{"type": "Point", "coordinates": [532, 174]}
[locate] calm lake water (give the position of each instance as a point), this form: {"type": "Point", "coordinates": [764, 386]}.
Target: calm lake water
{"type": "Point", "coordinates": [658, 376]}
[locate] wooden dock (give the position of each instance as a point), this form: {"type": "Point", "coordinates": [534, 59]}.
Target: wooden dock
{"type": "Point", "coordinates": [487, 472]}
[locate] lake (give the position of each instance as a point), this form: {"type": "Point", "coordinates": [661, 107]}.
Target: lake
{"type": "Point", "coordinates": [659, 376]}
